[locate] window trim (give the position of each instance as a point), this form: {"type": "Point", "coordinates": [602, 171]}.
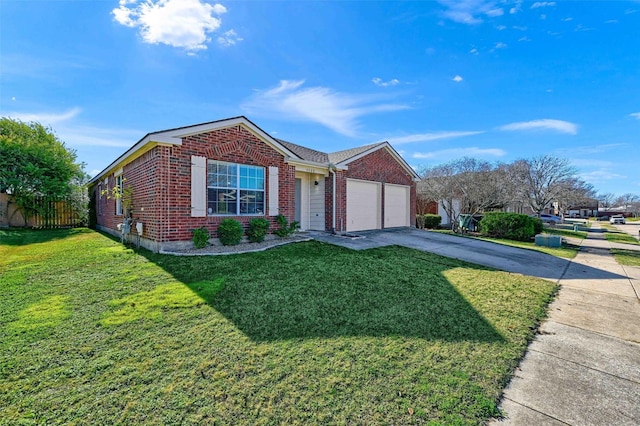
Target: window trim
{"type": "Point", "coordinates": [237, 188]}
{"type": "Point", "coordinates": [120, 184]}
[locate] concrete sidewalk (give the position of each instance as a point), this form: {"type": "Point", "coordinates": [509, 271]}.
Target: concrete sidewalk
{"type": "Point", "coordinates": [584, 366]}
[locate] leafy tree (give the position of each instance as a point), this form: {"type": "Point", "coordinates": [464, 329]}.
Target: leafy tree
{"type": "Point", "coordinates": [34, 162]}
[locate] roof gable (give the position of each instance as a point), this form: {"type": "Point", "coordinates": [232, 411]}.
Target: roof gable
{"type": "Point", "coordinates": [174, 137]}
{"type": "Point", "coordinates": [306, 153]}
{"type": "Point", "coordinates": [343, 158]}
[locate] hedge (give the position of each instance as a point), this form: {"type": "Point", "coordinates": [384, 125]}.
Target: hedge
{"type": "Point", "coordinates": [511, 226]}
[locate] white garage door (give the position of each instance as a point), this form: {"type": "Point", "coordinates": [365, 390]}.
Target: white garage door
{"type": "Point", "coordinates": [363, 205]}
{"type": "Point", "coordinates": [396, 205]}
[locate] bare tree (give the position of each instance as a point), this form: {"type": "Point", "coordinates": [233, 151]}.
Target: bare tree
{"type": "Point", "coordinates": [481, 185]}
{"type": "Point", "coordinates": [606, 199]}
{"type": "Point", "coordinates": [465, 186]}
{"type": "Point", "coordinates": [436, 185]}
{"type": "Point", "coordinates": [543, 180]}
{"type": "Point", "coordinates": [575, 192]}
{"type": "Point", "coordinates": [627, 200]}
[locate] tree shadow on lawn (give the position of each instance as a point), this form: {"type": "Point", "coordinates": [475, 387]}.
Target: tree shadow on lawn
{"type": "Point", "coordinates": [24, 236]}
{"type": "Point", "coordinates": [316, 290]}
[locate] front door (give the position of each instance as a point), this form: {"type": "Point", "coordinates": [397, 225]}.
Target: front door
{"type": "Point", "coordinates": [298, 200]}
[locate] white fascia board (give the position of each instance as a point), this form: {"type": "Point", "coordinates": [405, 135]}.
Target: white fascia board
{"type": "Point", "coordinates": [143, 145]}
{"type": "Point", "coordinates": [174, 137]}
{"type": "Point", "coordinates": [311, 165]}
{"type": "Point", "coordinates": [393, 152]}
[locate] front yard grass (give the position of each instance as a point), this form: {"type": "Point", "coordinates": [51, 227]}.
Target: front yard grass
{"type": "Point", "coordinates": [307, 333]}
{"type": "Point", "coordinates": [626, 257]}
{"type": "Point", "coordinates": [615, 236]}
{"type": "Point", "coordinates": [567, 250]}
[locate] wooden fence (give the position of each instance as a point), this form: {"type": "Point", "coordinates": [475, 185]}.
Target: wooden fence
{"type": "Point", "coordinates": [49, 213]}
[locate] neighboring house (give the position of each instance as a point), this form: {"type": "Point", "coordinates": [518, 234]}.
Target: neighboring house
{"type": "Point", "coordinates": [588, 208]}
{"type": "Point", "coordinates": [196, 176]}
{"type": "Point", "coordinates": [439, 209]}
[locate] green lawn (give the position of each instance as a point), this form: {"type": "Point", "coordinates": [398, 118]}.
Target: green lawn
{"type": "Point", "coordinates": [567, 250]}
{"type": "Point", "coordinates": [626, 257]}
{"type": "Point", "coordinates": [307, 333]}
{"type": "Point", "coordinates": [620, 237]}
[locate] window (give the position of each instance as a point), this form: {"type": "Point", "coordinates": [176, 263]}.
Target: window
{"type": "Point", "coordinates": [119, 198]}
{"type": "Point", "coordinates": [234, 189]}
{"type": "Point", "coordinates": [99, 200]}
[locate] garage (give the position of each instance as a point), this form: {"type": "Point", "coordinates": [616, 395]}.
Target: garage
{"type": "Point", "coordinates": [363, 205]}
{"type": "Point", "coordinates": [396, 205]}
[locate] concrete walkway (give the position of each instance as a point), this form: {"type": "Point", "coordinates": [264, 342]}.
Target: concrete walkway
{"type": "Point", "coordinates": [584, 366]}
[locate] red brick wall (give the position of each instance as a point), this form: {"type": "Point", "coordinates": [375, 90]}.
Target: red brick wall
{"type": "Point", "coordinates": [236, 145]}
{"type": "Point", "coordinates": [144, 176]}
{"type": "Point", "coordinates": [379, 166]}
{"type": "Point", "coordinates": [161, 182]}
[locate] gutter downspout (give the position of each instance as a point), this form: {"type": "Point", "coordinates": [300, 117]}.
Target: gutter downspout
{"type": "Point", "coordinates": [332, 170]}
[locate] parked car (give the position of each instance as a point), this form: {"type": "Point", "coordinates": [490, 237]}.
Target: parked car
{"type": "Point", "coordinates": [550, 219]}
{"type": "Point", "coordinates": [617, 219]}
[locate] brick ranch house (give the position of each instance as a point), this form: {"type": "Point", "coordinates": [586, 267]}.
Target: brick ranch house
{"type": "Point", "coordinates": [195, 176]}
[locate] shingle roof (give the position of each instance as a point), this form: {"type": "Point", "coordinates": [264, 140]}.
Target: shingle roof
{"type": "Point", "coordinates": [306, 153]}
{"type": "Point", "coordinates": [340, 156]}
{"type": "Point", "coordinates": [323, 157]}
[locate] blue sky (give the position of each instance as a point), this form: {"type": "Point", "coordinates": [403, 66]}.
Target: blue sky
{"type": "Point", "coordinates": [440, 80]}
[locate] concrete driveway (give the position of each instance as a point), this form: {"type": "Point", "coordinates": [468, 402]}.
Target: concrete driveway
{"type": "Point", "coordinates": [511, 259]}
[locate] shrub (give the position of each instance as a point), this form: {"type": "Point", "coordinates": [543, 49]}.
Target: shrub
{"type": "Point", "coordinates": [432, 221]}
{"type": "Point", "coordinates": [285, 229]}
{"type": "Point", "coordinates": [230, 232]}
{"type": "Point", "coordinates": [200, 237]}
{"type": "Point", "coordinates": [258, 228]}
{"type": "Point", "coordinates": [511, 226]}
{"type": "Point", "coordinates": [538, 226]}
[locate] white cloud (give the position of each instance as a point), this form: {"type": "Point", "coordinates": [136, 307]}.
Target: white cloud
{"type": "Point", "coordinates": [525, 38]}
{"type": "Point", "coordinates": [516, 27]}
{"type": "Point", "coordinates": [45, 118]}
{"type": "Point", "coordinates": [517, 8]}
{"type": "Point", "coordinates": [635, 115]}
{"type": "Point", "coordinates": [580, 162]}
{"type": "Point", "coordinates": [542, 4]}
{"type": "Point", "coordinates": [337, 111]}
{"type": "Point", "coordinates": [461, 152]}
{"type": "Point", "coordinates": [428, 137]}
{"type": "Point", "coordinates": [474, 51]}
{"type": "Point", "coordinates": [178, 23]}
{"type": "Point", "coordinates": [229, 38]}
{"type": "Point", "coordinates": [543, 16]}
{"type": "Point", "coordinates": [611, 21]}
{"type": "Point", "coordinates": [569, 19]}
{"type": "Point", "coordinates": [501, 27]}
{"type": "Point", "coordinates": [591, 149]}
{"type": "Point", "coordinates": [501, 45]}
{"type": "Point", "coordinates": [544, 124]}
{"type": "Point", "coordinates": [457, 79]}
{"type": "Point", "coordinates": [379, 82]}
{"type": "Point", "coordinates": [600, 176]}
{"type": "Point", "coordinates": [469, 11]}
{"type": "Point", "coordinates": [76, 136]}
